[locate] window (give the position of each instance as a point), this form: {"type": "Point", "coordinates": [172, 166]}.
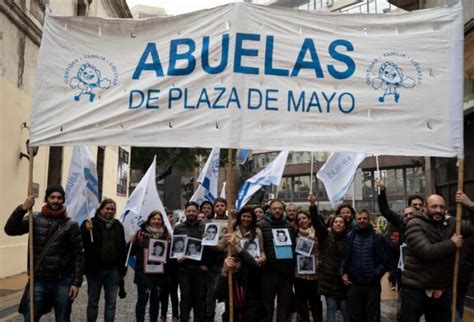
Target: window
{"type": "Point", "coordinates": [55, 165]}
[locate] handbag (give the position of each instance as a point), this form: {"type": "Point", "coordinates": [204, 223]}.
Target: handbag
{"type": "Point", "coordinates": [45, 249]}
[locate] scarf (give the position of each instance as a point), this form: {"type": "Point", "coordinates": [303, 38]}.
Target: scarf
{"type": "Point", "coordinates": [244, 231]}
{"type": "Point", "coordinates": [308, 232]}
{"type": "Point", "coordinates": [108, 222]}
{"type": "Point", "coordinates": [155, 232]}
{"type": "Point", "coordinates": [50, 213]}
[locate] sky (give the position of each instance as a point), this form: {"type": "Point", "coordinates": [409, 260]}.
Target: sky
{"type": "Point", "coordinates": [177, 7]}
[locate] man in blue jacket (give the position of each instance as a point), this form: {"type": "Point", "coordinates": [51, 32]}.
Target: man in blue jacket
{"type": "Point", "coordinates": [363, 265]}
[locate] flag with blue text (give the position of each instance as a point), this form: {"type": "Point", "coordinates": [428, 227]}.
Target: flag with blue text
{"type": "Point", "coordinates": [207, 189]}
{"type": "Point", "coordinates": [338, 173]}
{"type": "Point", "coordinates": [271, 175]}
{"type": "Point", "coordinates": [82, 186]}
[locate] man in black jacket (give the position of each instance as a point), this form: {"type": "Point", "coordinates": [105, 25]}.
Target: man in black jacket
{"type": "Point", "coordinates": [105, 255]}
{"type": "Point", "coordinates": [58, 275]}
{"type": "Point", "coordinates": [428, 265]}
{"type": "Point", "coordinates": [192, 274]}
{"type": "Point", "coordinates": [363, 265]}
{"type": "Point", "coordinates": [279, 268]}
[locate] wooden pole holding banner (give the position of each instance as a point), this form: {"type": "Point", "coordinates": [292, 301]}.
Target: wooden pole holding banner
{"type": "Point", "coordinates": [378, 172]}
{"type": "Point", "coordinates": [229, 185]}
{"type": "Point", "coordinates": [311, 175]}
{"type": "Point", "coordinates": [31, 255]}
{"type": "Point", "coordinates": [458, 232]}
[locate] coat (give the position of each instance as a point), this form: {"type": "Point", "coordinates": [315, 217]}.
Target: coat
{"type": "Point", "coordinates": [65, 257]}
{"type": "Point", "coordinates": [429, 258]}
{"type": "Point", "coordinates": [331, 248]}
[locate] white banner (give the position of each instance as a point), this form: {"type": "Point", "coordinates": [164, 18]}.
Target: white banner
{"type": "Point", "coordinates": [82, 186]}
{"type": "Point", "coordinates": [254, 77]}
{"type": "Point", "coordinates": [143, 200]}
{"type": "Point", "coordinates": [338, 172]}
{"type": "Point", "coordinates": [207, 189]}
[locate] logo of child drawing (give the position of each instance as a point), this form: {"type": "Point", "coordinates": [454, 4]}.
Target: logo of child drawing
{"type": "Point", "coordinates": [390, 77]}
{"type": "Point", "coordinates": [86, 80]}
{"type": "Point", "coordinates": [86, 76]}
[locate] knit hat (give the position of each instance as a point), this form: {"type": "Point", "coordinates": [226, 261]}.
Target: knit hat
{"type": "Point", "coordinates": [54, 188]}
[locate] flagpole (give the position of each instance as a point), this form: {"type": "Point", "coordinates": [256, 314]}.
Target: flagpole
{"type": "Point", "coordinates": [458, 232]}
{"type": "Point", "coordinates": [229, 185]}
{"type": "Point", "coordinates": [378, 172]}
{"type": "Point", "coordinates": [31, 254]}
{"type": "Point", "coordinates": [87, 203]}
{"type": "Point", "coordinates": [311, 175]}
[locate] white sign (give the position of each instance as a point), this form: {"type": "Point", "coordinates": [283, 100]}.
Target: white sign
{"type": "Point", "coordinates": [254, 77]}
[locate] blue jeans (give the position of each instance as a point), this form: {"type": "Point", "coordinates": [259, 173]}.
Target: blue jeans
{"type": "Point", "coordinates": [50, 295]}
{"type": "Point", "coordinates": [331, 304]}
{"type": "Point", "coordinates": [109, 279]}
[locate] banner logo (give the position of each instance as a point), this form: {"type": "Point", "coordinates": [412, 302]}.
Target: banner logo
{"type": "Point", "coordinates": [88, 74]}
{"type": "Point", "coordinates": [391, 72]}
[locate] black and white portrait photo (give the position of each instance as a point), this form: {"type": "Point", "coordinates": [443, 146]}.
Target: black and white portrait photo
{"type": "Point", "coordinates": [304, 246]}
{"type": "Point", "coordinates": [193, 249]}
{"type": "Point", "coordinates": [150, 267]}
{"type": "Point", "coordinates": [211, 234]}
{"type": "Point", "coordinates": [252, 247]}
{"type": "Point", "coordinates": [306, 264]}
{"type": "Point", "coordinates": [281, 237]}
{"type": "Point", "coordinates": [178, 246]}
{"type": "Point", "coordinates": [157, 250]}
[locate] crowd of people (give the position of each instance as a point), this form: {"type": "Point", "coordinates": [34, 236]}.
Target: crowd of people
{"type": "Point", "coordinates": [275, 253]}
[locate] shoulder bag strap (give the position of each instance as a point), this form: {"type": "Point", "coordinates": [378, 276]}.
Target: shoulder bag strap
{"type": "Point", "coordinates": [50, 241]}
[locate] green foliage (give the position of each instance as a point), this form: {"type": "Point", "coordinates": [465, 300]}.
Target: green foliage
{"type": "Point", "coordinates": [179, 158]}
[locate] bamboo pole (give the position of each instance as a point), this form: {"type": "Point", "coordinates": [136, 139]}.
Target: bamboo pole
{"type": "Point", "coordinates": [311, 174]}
{"type": "Point", "coordinates": [458, 232]}
{"type": "Point", "coordinates": [229, 185]}
{"type": "Point", "coordinates": [30, 238]}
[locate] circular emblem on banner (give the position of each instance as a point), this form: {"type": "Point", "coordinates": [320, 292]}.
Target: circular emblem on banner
{"type": "Point", "coordinates": [392, 73]}
{"type": "Point", "coordinates": [89, 74]}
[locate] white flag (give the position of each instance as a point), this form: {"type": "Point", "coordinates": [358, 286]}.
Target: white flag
{"type": "Point", "coordinates": [82, 196]}
{"type": "Point", "coordinates": [271, 175]}
{"type": "Point", "coordinates": [207, 189]}
{"type": "Point", "coordinates": [142, 202]}
{"type": "Point", "coordinates": [338, 172]}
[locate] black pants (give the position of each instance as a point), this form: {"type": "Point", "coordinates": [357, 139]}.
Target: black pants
{"type": "Point", "coordinates": [279, 286]}
{"type": "Point", "coordinates": [415, 303]}
{"type": "Point", "coordinates": [143, 294]}
{"type": "Point", "coordinates": [364, 302]}
{"type": "Point", "coordinates": [192, 284]}
{"type": "Point", "coordinates": [307, 292]}
{"type": "Point", "coordinates": [170, 290]}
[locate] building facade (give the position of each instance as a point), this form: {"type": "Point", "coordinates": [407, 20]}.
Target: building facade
{"type": "Point", "coordinates": [21, 30]}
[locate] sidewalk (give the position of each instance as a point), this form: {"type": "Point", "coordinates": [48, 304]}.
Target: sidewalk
{"type": "Point", "coordinates": [11, 290]}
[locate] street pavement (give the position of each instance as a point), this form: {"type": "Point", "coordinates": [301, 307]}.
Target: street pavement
{"type": "Point", "coordinates": [11, 290]}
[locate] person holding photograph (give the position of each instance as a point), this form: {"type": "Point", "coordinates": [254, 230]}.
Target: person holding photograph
{"type": "Point", "coordinates": [331, 245]}
{"type": "Point", "coordinates": [148, 283]}
{"type": "Point", "coordinates": [278, 271]}
{"type": "Point", "coordinates": [170, 290]}
{"type": "Point", "coordinates": [246, 277]}
{"type": "Point", "coordinates": [245, 227]}
{"type": "Point", "coordinates": [105, 255]}
{"type": "Point", "coordinates": [192, 274]}
{"type": "Point", "coordinates": [307, 285]}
